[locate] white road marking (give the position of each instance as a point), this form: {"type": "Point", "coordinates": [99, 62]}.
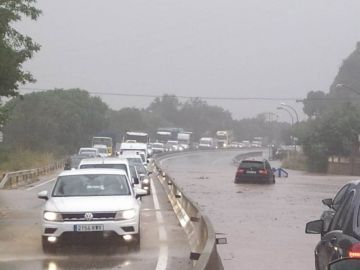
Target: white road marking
{"type": "Point", "coordinates": [39, 185]}
{"type": "Point", "coordinates": [163, 252]}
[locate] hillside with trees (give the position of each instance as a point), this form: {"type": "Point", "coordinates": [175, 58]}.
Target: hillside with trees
{"type": "Point", "coordinates": [334, 118]}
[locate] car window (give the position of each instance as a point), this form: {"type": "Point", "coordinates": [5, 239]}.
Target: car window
{"type": "Point", "coordinates": [267, 164]}
{"type": "Point", "coordinates": [342, 216]}
{"type": "Point", "coordinates": [91, 185]}
{"type": "Point", "coordinates": [133, 161]}
{"type": "Point", "coordinates": [108, 166]}
{"type": "Point", "coordinates": [339, 197]}
{"type": "Point", "coordinates": [141, 169]}
{"type": "Point", "coordinates": [251, 165]}
{"type": "Point", "coordinates": [133, 171]}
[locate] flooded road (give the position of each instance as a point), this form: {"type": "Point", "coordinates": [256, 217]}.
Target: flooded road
{"type": "Point", "coordinates": [264, 224]}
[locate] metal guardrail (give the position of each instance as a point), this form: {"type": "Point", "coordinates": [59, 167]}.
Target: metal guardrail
{"type": "Point", "coordinates": [238, 158]}
{"type": "Point", "coordinates": [21, 178]}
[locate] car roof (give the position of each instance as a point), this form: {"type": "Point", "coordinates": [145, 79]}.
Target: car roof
{"type": "Point", "coordinates": [92, 171]}
{"type": "Point", "coordinates": [88, 148]}
{"type": "Point", "coordinates": [133, 146]}
{"type": "Point", "coordinates": [100, 146]}
{"type": "Point", "coordinates": [255, 159]}
{"type": "Point", "coordinates": [114, 160]}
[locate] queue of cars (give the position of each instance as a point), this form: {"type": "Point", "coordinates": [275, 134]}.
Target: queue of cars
{"type": "Point", "coordinates": [96, 197]}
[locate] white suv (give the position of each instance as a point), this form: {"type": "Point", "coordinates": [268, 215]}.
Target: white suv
{"type": "Point", "coordinates": [93, 202]}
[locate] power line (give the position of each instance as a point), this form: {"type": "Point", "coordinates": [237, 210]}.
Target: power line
{"type": "Point", "coordinates": [159, 96]}
{"type": "Point", "coordinates": [194, 97]}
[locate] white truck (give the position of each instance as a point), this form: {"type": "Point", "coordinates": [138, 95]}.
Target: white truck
{"type": "Point", "coordinates": [207, 143]}
{"type": "Point", "coordinates": [184, 140]}
{"type": "Point", "coordinates": [224, 138]}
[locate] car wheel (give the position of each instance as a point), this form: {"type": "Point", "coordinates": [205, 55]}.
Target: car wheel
{"type": "Point", "coordinates": [48, 248]}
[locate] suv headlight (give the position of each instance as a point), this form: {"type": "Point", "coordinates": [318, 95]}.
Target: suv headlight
{"type": "Point", "coordinates": [125, 214]}
{"type": "Point", "coordinates": [52, 216]}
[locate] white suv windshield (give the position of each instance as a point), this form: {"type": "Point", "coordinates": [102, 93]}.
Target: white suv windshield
{"type": "Point", "coordinates": [110, 166]}
{"type": "Point", "coordinates": [91, 185]}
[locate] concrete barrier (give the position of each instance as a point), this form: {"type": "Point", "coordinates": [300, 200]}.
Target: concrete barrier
{"type": "Point", "coordinates": [238, 158]}
{"type": "Point", "coordinates": [13, 180]}
{"type": "Point", "coordinates": [200, 233]}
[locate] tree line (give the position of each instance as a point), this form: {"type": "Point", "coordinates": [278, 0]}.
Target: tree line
{"type": "Point", "coordinates": [61, 121]}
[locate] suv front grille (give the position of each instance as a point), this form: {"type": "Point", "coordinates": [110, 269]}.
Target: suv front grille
{"type": "Point", "coordinates": [81, 216]}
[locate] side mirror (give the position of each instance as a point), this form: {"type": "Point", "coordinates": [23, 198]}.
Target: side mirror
{"type": "Point", "coordinates": [328, 202]}
{"type": "Point", "coordinates": [315, 227]}
{"type": "Point", "coordinates": [139, 192]}
{"type": "Point", "coordinates": [136, 180]}
{"type": "Point", "coordinates": [345, 264]}
{"type": "Point", "coordinates": [43, 195]}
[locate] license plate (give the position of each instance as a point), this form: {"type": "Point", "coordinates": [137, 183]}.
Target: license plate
{"type": "Point", "coordinates": [251, 172]}
{"type": "Point", "coordinates": [88, 228]}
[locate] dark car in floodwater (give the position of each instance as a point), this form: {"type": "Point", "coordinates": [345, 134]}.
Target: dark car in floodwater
{"type": "Point", "coordinates": [251, 170]}
{"type": "Point", "coordinates": [340, 232]}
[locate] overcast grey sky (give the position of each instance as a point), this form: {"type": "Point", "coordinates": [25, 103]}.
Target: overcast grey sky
{"type": "Point", "coordinates": [220, 48]}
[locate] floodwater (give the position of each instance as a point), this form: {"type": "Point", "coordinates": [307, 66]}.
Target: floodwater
{"type": "Point", "coordinates": [264, 224]}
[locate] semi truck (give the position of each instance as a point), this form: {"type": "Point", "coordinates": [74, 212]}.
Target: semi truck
{"type": "Point", "coordinates": [224, 138]}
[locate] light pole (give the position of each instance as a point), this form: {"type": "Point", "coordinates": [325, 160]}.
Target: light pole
{"type": "Point", "coordinates": [292, 117]}
{"type": "Point", "coordinates": [292, 122]}
{"type": "Point", "coordinates": [282, 104]}
{"type": "Point", "coordinates": [341, 85]}
{"type": "Point", "coordinates": [270, 118]}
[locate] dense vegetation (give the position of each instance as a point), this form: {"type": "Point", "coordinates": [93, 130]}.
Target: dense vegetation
{"type": "Point", "coordinates": [61, 121]}
{"type": "Point", "coordinates": [15, 48]}
{"type": "Point", "coordinates": [333, 127]}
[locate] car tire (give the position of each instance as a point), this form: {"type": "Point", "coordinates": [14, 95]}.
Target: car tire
{"type": "Point", "coordinates": [48, 248]}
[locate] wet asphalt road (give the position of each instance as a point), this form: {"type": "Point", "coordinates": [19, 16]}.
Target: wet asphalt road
{"type": "Point", "coordinates": [264, 224]}
{"type": "Point", "coordinates": [20, 239]}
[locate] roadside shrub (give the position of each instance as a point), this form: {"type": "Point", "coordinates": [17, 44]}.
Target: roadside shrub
{"type": "Point", "coordinates": [20, 159]}
{"type": "Point", "coordinates": [295, 161]}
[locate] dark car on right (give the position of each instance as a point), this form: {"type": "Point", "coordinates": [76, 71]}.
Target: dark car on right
{"type": "Point", "coordinates": [339, 227]}
{"type": "Point", "coordinates": [254, 171]}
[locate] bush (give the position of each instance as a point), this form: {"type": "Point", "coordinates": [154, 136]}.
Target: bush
{"type": "Point", "coordinates": [295, 161]}
{"type": "Point", "coordinates": [24, 160]}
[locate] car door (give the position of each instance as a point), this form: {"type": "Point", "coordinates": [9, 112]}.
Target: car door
{"type": "Point", "coordinates": [330, 247]}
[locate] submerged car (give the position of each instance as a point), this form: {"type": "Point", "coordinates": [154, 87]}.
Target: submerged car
{"type": "Point", "coordinates": [341, 237]}
{"type": "Point", "coordinates": [254, 171]}
{"type": "Point", "coordinates": [93, 203]}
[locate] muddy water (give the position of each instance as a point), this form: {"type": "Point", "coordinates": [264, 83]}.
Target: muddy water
{"type": "Point", "coordinates": [264, 224]}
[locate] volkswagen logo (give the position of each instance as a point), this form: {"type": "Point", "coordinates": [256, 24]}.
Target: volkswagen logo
{"type": "Point", "coordinates": [88, 216]}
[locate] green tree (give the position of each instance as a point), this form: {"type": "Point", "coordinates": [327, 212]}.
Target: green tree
{"type": "Point", "coordinates": [59, 121]}
{"type": "Point", "coordinates": [15, 48]}
{"type": "Point", "coordinates": [315, 103]}
{"type": "Point", "coordinates": [334, 134]}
